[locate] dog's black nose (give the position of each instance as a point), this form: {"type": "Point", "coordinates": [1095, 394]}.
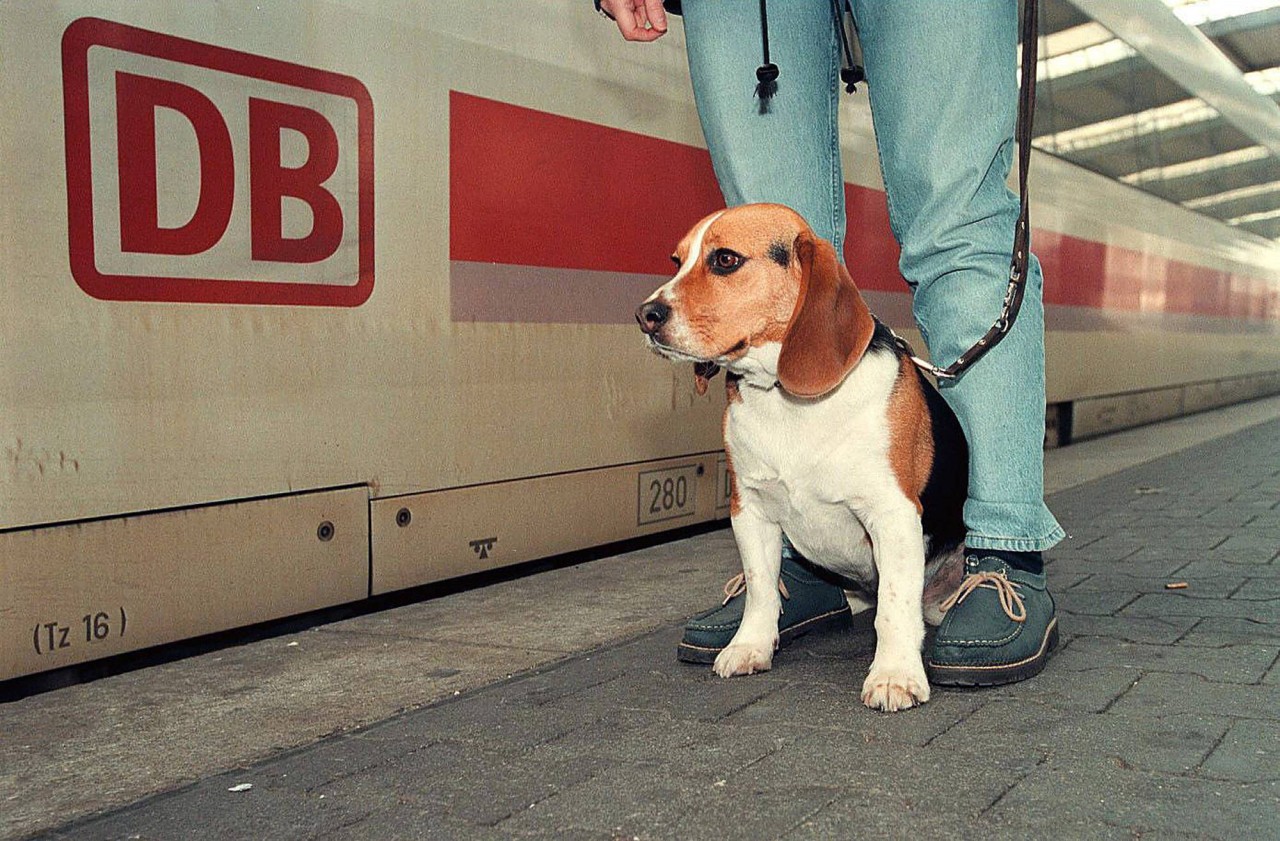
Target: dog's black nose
{"type": "Point", "coordinates": [652, 316]}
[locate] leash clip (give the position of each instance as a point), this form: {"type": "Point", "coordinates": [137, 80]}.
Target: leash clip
{"type": "Point", "coordinates": [923, 364]}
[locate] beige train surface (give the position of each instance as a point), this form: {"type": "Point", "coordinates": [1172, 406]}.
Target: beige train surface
{"type": "Point", "coordinates": [247, 369]}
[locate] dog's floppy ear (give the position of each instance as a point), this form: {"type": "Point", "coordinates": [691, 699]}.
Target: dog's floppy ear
{"type": "Point", "coordinates": [702, 374]}
{"type": "Point", "coordinates": [831, 326]}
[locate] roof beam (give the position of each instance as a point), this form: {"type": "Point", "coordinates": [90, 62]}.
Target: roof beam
{"type": "Point", "coordinates": [1186, 55]}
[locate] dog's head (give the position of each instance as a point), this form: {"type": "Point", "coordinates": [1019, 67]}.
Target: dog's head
{"type": "Point", "coordinates": [757, 288]}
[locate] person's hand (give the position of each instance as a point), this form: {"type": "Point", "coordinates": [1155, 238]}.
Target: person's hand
{"type": "Point", "coordinates": [638, 20]}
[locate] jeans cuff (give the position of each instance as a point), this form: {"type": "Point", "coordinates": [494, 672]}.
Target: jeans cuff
{"type": "Point", "coordinates": [1016, 544]}
{"type": "Point", "coordinates": [1013, 526]}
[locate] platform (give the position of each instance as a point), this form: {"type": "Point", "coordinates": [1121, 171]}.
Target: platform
{"type": "Point", "coordinates": [551, 706]}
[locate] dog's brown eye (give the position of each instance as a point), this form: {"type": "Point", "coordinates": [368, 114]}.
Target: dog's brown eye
{"type": "Point", "coordinates": [675, 258]}
{"type": "Point", "coordinates": [724, 261]}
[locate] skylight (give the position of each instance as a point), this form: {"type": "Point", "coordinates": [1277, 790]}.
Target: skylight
{"type": "Point", "coordinates": [1151, 121]}
{"type": "Point", "coordinates": [1090, 45]}
{"type": "Point", "coordinates": [1199, 166]}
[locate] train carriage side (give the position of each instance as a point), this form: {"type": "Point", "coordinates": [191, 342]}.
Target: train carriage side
{"type": "Point", "coordinates": [305, 303]}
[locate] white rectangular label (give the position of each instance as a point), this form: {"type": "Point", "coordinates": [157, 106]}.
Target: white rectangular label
{"type": "Point", "coordinates": [667, 494]}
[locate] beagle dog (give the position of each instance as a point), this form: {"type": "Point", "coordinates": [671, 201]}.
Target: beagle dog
{"type": "Point", "coordinates": [833, 435]}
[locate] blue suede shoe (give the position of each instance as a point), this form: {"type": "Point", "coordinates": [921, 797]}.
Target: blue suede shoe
{"type": "Point", "coordinates": [808, 603]}
{"type": "Point", "coordinates": [1000, 627]}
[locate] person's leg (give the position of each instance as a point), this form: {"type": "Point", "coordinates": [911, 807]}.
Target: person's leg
{"type": "Point", "coordinates": [942, 84]}
{"type": "Point", "coordinates": [786, 151]}
{"type": "Point", "coordinates": [944, 97]}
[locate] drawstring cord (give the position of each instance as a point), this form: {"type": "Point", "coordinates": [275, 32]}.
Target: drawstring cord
{"type": "Point", "coordinates": [767, 72]}
{"type": "Point", "coordinates": [851, 74]}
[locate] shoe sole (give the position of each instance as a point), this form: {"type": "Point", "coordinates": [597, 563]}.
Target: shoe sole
{"type": "Point", "coordinates": [980, 676]}
{"type": "Point", "coordinates": [689, 653]}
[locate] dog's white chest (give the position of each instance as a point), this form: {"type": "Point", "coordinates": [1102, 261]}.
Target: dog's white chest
{"type": "Point", "coordinates": [815, 467]}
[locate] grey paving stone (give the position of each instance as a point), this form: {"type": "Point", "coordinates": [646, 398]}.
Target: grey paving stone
{"type": "Point", "coordinates": [1083, 564]}
{"type": "Point", "coordinates": [1060, 580]}
{"type": "Point", "coordinates": [1219, 631]}
{"type": "Point", "coordinates": [1159, 694]}
{"type": "Point", "coordinates": [1076, 540]}
{"type": "Point", "coordinates": [1113, 547]}
{"type": "Point", "coordinates": [1092, 690]}
{"type": "Point", "coordinates": [632, 735]}
{"type": "Point", "coordinates": [1176, 744]}
{"type": "Point", "coordinates": [1203, 569]}
{"type": "Point", "coordinates": [694, 749]}
{"type": "Point", "coordinates": [1157, 553]}
{"type": "Point", "coordinates": [852, 816]}
{"type": "Point", "coordinates": [1259, 589]}
{"type": "Point", "coordinates": [1250, 752]}
{"type": "Point", "coordinates": [839, 709]}
{"type": "Point", "coordinates": [1156, 630]}
{"type": "Point", "coordinates": [742, 810]}
{"type": "Point", "coordinates": [1228, 515]}
{"type": "Point", "coordinates": [1193, 536]}
{"type": "Point", "coordinates": [317, 766]}
{"type": "Point", "coordinates": [1263, 497]}
{"type": "Point", "coordinates": [462, 783]}
{"type": "Point", "coordinates": [616, 804]}
{"type": "Point", "coordinates": [840, 658]}
{"type": "Point", "coordinates": [1093, 602]}
{"type": "Point", "coordinates": [1247, 549]}
{"type": "Point", "coordinates": [896, 793]}
{"type": "Point", "coordinates": [208, 810]}
{"type": "Point", "coordinates": [401, 822]}
{"type": "Point", "coordinates": [1243, 663]}
{"type": "Point", "coordinates": [692, 693]}
{"type": "Point", "coordinates": [1215, 587]}
{"type": "Point", "coordinates": [1101, 798]}
{"type": "Point", "coordinates": [486, 721]}
{"type": "Point", "coordinates": [1162, 558]}
{"type": "Point", "coordinates": [1177, 603]}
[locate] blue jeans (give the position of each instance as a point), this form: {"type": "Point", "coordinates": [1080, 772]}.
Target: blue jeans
{"type": "Point", "coordinates": [943, 99]}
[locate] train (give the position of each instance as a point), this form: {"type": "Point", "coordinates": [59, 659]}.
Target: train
{"type": "Point", "coordinates": [306, 303]}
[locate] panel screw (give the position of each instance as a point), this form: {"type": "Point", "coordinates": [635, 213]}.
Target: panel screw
{"type": "Point", "coordinates": [325, 532]}
{"type": "Point", "coordinates": [403, 517]}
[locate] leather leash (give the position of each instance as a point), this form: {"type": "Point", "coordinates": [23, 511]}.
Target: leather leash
{"type": "Point", "coordinates": [1022, 230]}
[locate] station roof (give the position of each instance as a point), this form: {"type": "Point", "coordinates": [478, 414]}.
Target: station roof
{"type": "Point", "coordinates": [1131, 99]}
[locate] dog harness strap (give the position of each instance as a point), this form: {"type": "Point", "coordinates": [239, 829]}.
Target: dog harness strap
{"type": "Point", "coordinates": [1022, 230]}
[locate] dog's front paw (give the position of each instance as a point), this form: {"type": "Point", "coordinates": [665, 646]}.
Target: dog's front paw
{"type": "Point", "coordinates": [740, 659]}
{"type": "Point", "coordinates": [891, 690]}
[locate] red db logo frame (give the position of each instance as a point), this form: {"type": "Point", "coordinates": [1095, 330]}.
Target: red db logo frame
{"type": "Point", "coordinates": [203, 174]}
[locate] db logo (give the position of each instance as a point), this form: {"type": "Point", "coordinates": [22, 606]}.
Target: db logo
{"type": "Point", "coordinates": [198, 173]}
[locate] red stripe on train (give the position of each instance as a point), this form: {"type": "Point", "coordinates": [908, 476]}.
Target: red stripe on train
{"type": "Point", "coordinates": [537, 189]}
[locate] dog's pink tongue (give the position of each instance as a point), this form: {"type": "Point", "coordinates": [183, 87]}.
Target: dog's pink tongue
{"type": "Point", "coordinates": [702, 374]}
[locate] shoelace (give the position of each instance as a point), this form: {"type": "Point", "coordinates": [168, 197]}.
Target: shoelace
{"type": "Point", "coordinates": [737, 585]}
{"type": "Point", "coordinates": [1010, 598]}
